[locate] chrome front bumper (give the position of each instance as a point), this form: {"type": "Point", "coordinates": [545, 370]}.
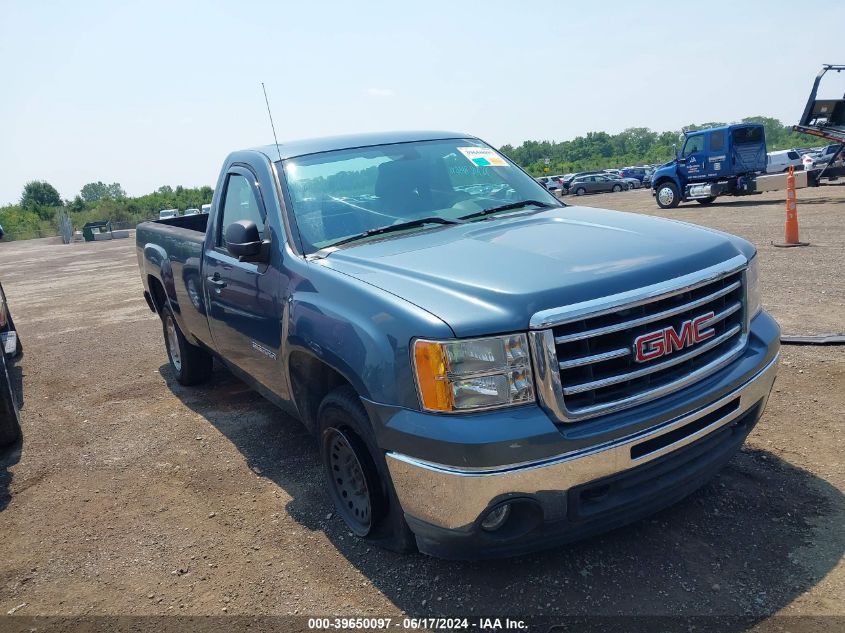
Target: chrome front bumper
{"type": "Point", "coordinates": [453, 498]}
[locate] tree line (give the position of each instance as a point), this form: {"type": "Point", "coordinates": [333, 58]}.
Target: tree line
{"type": "Point", "coordinates": [634, 146]}
{"type": "Point", "coordinates": [40, 207]}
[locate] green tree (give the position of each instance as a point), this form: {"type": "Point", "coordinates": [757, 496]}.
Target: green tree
{"type": "Point", "coordinates": [96, 191]}
{"type": "Point", "coordinates": [38, 194]}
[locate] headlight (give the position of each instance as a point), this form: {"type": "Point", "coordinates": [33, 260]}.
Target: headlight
{"type": "Point", "coordinates": [752, 285]}
{"type": "Point", "coordinates": [480, 373]}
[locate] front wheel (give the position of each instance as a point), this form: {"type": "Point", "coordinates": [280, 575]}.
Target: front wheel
{"type": "Point", "coordinates": [667, 195]}
{"type": "Point", "coordinates": [617, 188]}
{"type": "Point", "coordinates": [580, 191]}
{"type": "Point", "coordinates": [356, 473]}
{"type": "Point", "coordinates": [705, 201]}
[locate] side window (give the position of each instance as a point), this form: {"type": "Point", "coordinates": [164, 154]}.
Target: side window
{"type": "Point", "coordinates": [239, 204]}
{"type": "Point", "coordinates": [717, 141]}
{"type": "Point", "coordinates": [793, 156]}
{"type": "Point", "coordinates": [694, 144]}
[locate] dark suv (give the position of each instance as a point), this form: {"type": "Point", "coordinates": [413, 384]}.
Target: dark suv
{"type": "Point", "coordinates": [634, 172]}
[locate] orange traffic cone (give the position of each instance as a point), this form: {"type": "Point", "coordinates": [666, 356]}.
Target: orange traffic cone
{"type": "Point", "coordinates": [791, 228]}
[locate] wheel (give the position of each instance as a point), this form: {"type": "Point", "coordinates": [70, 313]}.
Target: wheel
{"type": "Point", "coordinates": [191, 364]}
{"type": "Point", "coordinates": [580, 191]}
{"type": "Point", "coordinates": [617, 188]}
{"type": "Point", "coordinates": [667, 195]}
{"type": "Point", "coordinates": [706, 200]}
{"type": "Point", "coordinates": [356, 473]}
{"type": "Point", "coordinates": [10, 415]}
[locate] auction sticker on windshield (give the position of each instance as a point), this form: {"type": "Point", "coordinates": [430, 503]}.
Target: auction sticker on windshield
{"type": "Point", "coordinates": [483, 157]}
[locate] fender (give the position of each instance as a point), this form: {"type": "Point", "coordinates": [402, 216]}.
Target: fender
{"type": "Point", "coordinates": [157, 265]}
{"type": "Point", "coordinates": [361, 332]}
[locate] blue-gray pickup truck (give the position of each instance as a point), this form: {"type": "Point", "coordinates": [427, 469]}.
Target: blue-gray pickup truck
{"type": "Point", "coordinates": [486, 369]}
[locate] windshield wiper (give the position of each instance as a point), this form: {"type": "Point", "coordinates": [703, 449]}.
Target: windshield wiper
{"type": "Point", "coordinates": [390, 228]}
{"type": "Point", "coordinates": [508, 207]}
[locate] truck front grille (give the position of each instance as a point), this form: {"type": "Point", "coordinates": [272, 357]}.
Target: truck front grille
{"type": "Point", "coordinates": [595, 354]}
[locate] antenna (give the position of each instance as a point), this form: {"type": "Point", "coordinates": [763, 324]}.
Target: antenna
{"type": "Point", "coordinates": [270, 114]}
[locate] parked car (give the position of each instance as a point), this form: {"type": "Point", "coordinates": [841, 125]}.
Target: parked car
{"type": "Point", "coordinates": [192, 211]}
{"type": "Point", "coordinates": [634, 172]}
{"type": "Point", "coordinates": [206, 208]}
{"type": "Point", "coordinates": [10, 421]}
{"type": "Point", "coordinates": [826, 154]}
{"type": "Point", "coordinates": [165, 214]}
{"type": "Point", "coordinates": [485, 373]}
{"type": "Point", "coordinates": [595, 183]}
{"type": "Point", "coordinates": [780, 161]}
{"type": "Point", "coordinates": [630, 183]}
{"type": "Point", "coordinates": [552, 183]}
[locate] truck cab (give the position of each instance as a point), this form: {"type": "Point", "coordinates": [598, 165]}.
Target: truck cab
{"type": "Point", "coordinates": [713, 162]}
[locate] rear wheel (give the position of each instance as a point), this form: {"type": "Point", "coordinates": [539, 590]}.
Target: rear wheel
{"type": "Point", "coordinates": [706, 200]}
{"type": "Point", "coordinates": [667, 195]}
{"type": "Point", "coordinates": [191, 364]}
{"type": "Point", "coordinates": [356, 473]}
{"type": "Point", "coordinates": [580, 191]}
{"type": "Point", "coordinates": [617, 188]}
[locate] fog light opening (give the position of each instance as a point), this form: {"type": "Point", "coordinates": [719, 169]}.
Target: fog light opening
{"type": "Point", "coordinates": [496, 518]}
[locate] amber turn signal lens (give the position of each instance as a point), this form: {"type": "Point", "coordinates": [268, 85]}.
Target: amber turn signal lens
{"type": "Point", "coordinates": [430, 360]}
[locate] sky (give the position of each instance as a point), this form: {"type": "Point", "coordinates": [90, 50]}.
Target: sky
{"type": "Point", "coordinates": [153, 93]}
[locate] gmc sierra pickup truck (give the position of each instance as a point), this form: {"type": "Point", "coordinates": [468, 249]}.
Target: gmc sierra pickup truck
{"type": "Point", "coordinates": [486, 369]}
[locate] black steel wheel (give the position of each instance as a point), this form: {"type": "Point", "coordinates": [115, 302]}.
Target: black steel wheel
{"type": "Point", "coordinates": [357, 477]}
{"type": "Point", "coordinates": [347, 477]}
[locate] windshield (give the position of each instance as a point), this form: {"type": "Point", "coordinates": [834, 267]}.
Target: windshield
{"type": "Point", "coordinates": [340, 194]}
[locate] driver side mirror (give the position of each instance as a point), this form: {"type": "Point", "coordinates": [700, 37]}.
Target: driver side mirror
{"type": "Point", "coordinates": [243, 240]}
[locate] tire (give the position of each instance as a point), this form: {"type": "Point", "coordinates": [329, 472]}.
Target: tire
{"type": "Point", "coordinates": [10, 415]}
{"type": "Point", "coordinates": [191, 364]}
{"type": "Point", "coordinates": [356, 473]}
{"type": "Point", "coordinates": [706, 201]}
{"type": "Point", "coordinates": [617, 188]}
{"type": "Point", "coordinates": [580, 191]}
{"type": "Point", "coordinates": [667, 195]}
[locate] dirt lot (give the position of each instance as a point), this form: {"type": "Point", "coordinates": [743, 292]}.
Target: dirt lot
{"type": "Point", "coordinates": [133, 495]}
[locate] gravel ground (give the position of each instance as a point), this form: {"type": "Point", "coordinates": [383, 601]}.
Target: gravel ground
{"type": "Point", "coordinates": [133, 495]}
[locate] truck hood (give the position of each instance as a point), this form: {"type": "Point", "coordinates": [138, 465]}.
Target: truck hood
{"type": "Point", "coordinates": [491, 276]}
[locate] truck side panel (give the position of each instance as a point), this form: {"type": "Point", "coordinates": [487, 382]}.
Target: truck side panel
{"type": "Point", "coordinates": [170, 256]}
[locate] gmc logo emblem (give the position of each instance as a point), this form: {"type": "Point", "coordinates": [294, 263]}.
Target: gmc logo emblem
{"type": "Point", "coordinates": [663, 342]}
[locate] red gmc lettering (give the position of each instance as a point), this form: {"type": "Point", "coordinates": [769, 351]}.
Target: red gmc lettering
{"type": "Point", "coordinates": [662, 342]}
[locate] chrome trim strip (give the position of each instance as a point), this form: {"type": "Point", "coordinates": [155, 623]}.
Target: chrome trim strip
{"type": "Point", "coordinates": [454, 497]}
{"type": "Point", "coordinates": [627, 325]}
{"type": "Point", "coordinates": [724, 314]}
{"type": "Point", "coordinates": [595, 358]}
{"type": "Point", "coordinates": [636, 297]}
{"type": "Point", "coordinates": [645, 371]}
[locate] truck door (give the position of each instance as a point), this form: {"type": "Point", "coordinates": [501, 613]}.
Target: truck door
{"type": "Point", "coordinates": [693, 157]}
{"type": "Point", "coordinates": [716, 158]}
{"type": "Point", "coordinates": [243, 298]}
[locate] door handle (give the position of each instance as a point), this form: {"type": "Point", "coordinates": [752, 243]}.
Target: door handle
{"type": "Point", "coordinates": [216, 281]}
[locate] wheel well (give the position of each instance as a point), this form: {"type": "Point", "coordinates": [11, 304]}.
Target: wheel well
{"type": "Point", "coordinates": [311, 380]}
{"type": "Point", "coordinates": [662, 180]}
{"type": "Point", "coordinates": [157, 293]}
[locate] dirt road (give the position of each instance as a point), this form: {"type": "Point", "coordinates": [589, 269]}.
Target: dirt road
{"type": "Point", "coordinates": [133, 495]}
